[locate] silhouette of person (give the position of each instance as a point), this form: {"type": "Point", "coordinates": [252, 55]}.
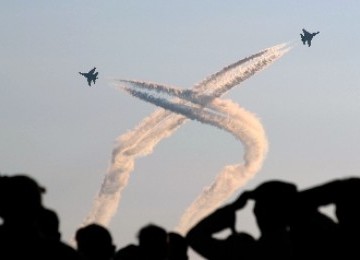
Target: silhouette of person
{"type": "Point", "coordinates": [48, 224]}
{"type": "Point", "coordinates": [348, 214]}
{"type": "Point", "coordinates": [129, 252]}
{"type": "Point", "coordinates": [20, 202]}
{"type": "Point", "coordinates": [313, 233]}
{"type": "Point", "coordinates": [273, 209]}
{"type": "Point", "coordinates": [21, 236]}
{"type": "Point", "coordinates": [94, 242]}
{"type": "Point", "coordinates": [333, 239]}
{"type": "Point", "coordinates": [153, 244]}
{"type": "Point", "coordinates": [177, 247]}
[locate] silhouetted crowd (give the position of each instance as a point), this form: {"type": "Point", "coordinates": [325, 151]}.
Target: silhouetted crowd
{"type": "Point", "coordinates": [290, 222]}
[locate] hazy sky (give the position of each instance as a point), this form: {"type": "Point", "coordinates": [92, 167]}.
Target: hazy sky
{"type": "Point", "coordinates": [62, 132]}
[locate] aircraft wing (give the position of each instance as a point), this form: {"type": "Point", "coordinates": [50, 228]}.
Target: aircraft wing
{"type": "Point", "coordinates": [92, 71]}
{"type": "Point", "coordinates": [305, 32]}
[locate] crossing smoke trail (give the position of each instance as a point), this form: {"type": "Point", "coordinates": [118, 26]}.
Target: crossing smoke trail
{"type": "Point", "coordinates": [222, 81]}
{"type": "Point", "coordinates": [243, 125]}
{"type": "Point", "coordinates": [161, 124]}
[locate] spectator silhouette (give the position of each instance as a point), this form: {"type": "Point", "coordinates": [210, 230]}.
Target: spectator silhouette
{"type": "Point", "coordinates": [290, 223]}
{"type": "Point", "coordinates": [177, 247]}
{"type": "Point", "coordinates": [129, 252]}
{"type": "Point", "coordinates": [20, 234]}
{"type": "Point", "coordinates": [332, 239]}
{"type": "Point", "coordinates": [273, 209]}
{"type": "Point", "coordinates": [94, 242]}
{"type": "Point", "coordinates": [20, 202]}
{"type": "Point", "coordinates": [348, 215]}
{"type": "Point", "coordinates": [49, 224]}
{"type": "Point", "coordinates": [153, 242]}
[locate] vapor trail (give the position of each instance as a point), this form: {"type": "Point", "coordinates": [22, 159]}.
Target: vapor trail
{"type": "Point", "coordinates": [242, 124]}
{"type": "Point", "coordinates": [222, 81]}
{"type": "Point", "coordinates": [161, 124]}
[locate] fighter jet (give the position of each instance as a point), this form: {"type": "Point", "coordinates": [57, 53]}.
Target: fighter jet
{"type": "Point", "coordinates": [307, 37]}
{"type": "Point", "coordinates": [90, 76]}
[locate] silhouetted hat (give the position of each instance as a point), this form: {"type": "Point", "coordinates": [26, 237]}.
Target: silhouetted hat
{"type": "Point", "coordinates": [25, 185]}
{"type": "Point", "coordinates": [20, 196]}
{"type": "Point", "coordinates": [23, 188]}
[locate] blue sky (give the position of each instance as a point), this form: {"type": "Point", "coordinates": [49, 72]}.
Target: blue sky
{"type": "Point", "coordinates": [57, 129]}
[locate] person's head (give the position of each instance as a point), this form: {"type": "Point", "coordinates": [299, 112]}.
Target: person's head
{"type": "Point", "coordinates": [20, 198]}
{"type": "Point", "coordinates": [274, 201]}
{"type": "Point", "coordinates": [94, 242]}
{"type": "Point", "coordinates": [153, 242]}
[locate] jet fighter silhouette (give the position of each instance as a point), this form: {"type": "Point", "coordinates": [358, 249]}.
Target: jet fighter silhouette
{"type": "Point", "coordinates": [307, 37]}
{"type": "Point", "coordinates": [91, 76]}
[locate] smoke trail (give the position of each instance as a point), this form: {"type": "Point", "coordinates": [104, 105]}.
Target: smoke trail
{"type": "Point", "coordinates": [222, 81]}
{"type": "Point", "coordinates": [161, 124]}
{"type": "Point", "coordinates": [243, 125]}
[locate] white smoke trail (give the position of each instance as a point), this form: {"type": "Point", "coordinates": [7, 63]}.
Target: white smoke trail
{"type": "Point", "coordinates": [243, 125]}
{"type": "Point", "coordinates": [222, 81]}
{"type": "Point", "coordinates": [229, 76]}
{"type": "Point", "coordinates": [161, 124]}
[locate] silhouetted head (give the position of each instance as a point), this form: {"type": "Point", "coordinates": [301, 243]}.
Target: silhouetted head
{"type": "Point", "coordinates": [20, 197]}
{"type": "Point", "coordinates": [153, 242]}
{"type": "Point", "coordinates": [274, 201]}
{"type": "Point", "coordinates": [95, 242]}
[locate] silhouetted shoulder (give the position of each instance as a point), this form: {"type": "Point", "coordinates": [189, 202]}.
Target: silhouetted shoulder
{"type": "Point", "coordinates": [129, 252]}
